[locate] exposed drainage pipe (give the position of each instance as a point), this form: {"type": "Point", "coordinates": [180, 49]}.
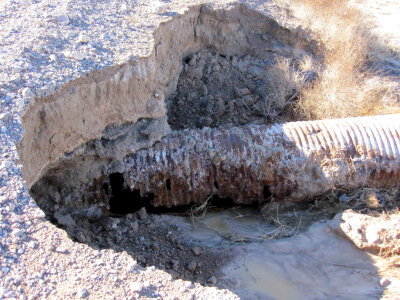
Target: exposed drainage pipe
{"type": "Point", "coordinates": [292, 161]}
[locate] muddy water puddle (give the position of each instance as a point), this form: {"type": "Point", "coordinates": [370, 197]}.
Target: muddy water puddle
{"type": "Point", "coordinates": [241, 226]}
{"type": "Point", "coordinates": [259, 276]}
{"type": "Point", "coordinates": [276, 260]}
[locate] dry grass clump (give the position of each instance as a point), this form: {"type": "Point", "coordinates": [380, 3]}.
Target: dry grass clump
{"type": "Point", "coordinates": [285, 85]}
{"type": "Point", "coordinates": [199, 210]}
{"type": "Point", "coordinates": [344, 86]}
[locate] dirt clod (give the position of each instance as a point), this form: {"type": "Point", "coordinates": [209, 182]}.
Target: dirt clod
{"type": "Point", "coordinates": [142, 213]}
{"type": "Point", "coordinates": [192, 266]}
{"type": "Point", "coordinates": [212, 280]}
{"type": "Point", "coordinates": [196, 250]}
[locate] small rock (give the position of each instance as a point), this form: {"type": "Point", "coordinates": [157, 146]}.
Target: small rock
{"type": "Point", "coordinates": [344, 198]}
{"type": "Point", "coordinates": [159, 8]}
{"type": "Point", "coordinates": [81, 237]}
{"type": "Point", "coordinates": [71, 35]}
{"type": "Point", "coordinates": [155, 247]}
{"type": "Point", "coordinates": [216, 68]}
{"type": "Point", "coordinates": [142, 213]}
{"type": "Point", "coordinates": [82, 39]}
{"type": "Point", "coordinates": [235, 283]}
{"type": "Point", "coordinates": [65, 220]}
{"type": "Point", "coordinates": [132, 266]}
{"type": "Point", "coordinates": [111, 223]}
{"type": "Point", "coordinates": [83, 293]}
{"type": "Point", "coordinates": [124, 7]}
{"type": "Point", "coordinates": [204, 122]}
{"type": "Point", "coordinates": [94, 212]}
{"type": "Point", "coordinates": [384, 282]}
{"type": "Point", "coordinates": [18, 232]}
{"type": "Point", "coordinates": [53, 57]}
{"type": "Point", "coordinates": [242, 92]}
{"type": "Point", "coordinates": [248, 100]}
{"type": "Point", "coordinates": [180, 246]}
{"type": "Point", "coordinates": [219, 107]}
{"type": "Point", "coordinates": [75, 16]}
{"type": "Point", "coordinates": [192, 266]}
{"type": "Point", "coordinates": [3, 199]}
{"type": "Point", "coordinates": [63, 19]}
{"type": "Point", "coordinates": [61, 250]}
{"type": "Point", "coordinates": [33, 245]}
{"type": "Point", "coordinates": [212, 280]}
{"type": "Point", "coordinates": [4, 116]}
{"type": "Point", "coordinates": [27, 93]}
{"type": "Point", "coordinates": [196, 250]}
{"type": "Point", "coordinates": [20, 102]}
{"type": "Point", "coordinates": [135, 226]}
{"type": "Point", "coordinates": [135, 287]}
{"type": "Point", "coordinates": [74, 55]}
{"type": "Point", "coordinates": [175, 264]}
{"type": "Point", "coordinates": [39, 214]}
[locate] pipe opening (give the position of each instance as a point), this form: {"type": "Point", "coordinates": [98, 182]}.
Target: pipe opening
{"type": "Point", "coordinates": [168, 184]}
{"type": "Point", "coordinates": [124, 201]}
{"type": "Point", "coordinates": [216, 185]}
{"type": "Point", "coordinates": [266, 192]}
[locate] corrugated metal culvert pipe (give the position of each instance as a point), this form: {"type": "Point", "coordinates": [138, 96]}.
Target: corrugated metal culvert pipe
{"type": "Point", "coordinates": [293, 161]}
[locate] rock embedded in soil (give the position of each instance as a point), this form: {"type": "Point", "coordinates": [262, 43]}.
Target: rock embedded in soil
{"type": "Point", "coordinates": [212, 280]}
{"type": "Point", "coordinates": [196, 250]}
{"type": "Point", "coordinates": [384, 282]}
{"type": "Point", "coordinates": [142, 213]}
{"type": "Point", "coordinates": [83, 293]}
{"type": "Point", "coordinates": [192, 266]}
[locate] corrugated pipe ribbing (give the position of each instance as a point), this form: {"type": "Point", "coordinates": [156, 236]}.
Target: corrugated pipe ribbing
{"type": "Point", "coordinates": [293, 161]}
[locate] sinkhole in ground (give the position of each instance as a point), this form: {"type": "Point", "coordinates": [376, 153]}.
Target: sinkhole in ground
{"type": "Point", "coordinates": [149, 157]}
{"type": "Point", "coordinates": [219, 69]}
{"type": "Point", "coordinates": [221, 72]}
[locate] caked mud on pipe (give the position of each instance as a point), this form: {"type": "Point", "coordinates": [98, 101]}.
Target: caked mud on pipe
{"type": "Point", "coordinates": [293, 161]}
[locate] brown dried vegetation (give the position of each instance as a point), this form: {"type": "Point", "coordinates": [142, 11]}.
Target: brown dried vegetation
{"type": "Point", "coordinates": [345, 86]}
